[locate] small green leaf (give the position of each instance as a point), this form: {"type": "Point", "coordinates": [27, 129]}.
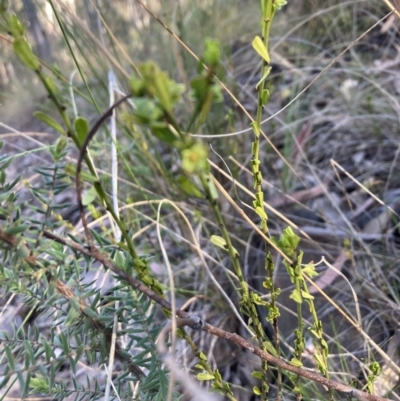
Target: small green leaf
{"type": "Point", "coordinates": [261, 212]}
{"type": "Point", "coordinates": [16, 27]}
{"type": "Point", "coordinates": [306, 295]}
{"type": "Point", "coordinates": [52, 86]}
{"type": "Point", "coordinates": [89, 312]}
{"type": "Point", "coordinates": [296, 362]}
{"type": "Point", "coordinates": [212, 53]}
{"type": "Point", "coordinates": [259, 47]}
{"type": "Point", "coordinates": [258, 375]}
{"type": "Point", "coordinates": [265, 97]}
{"type": "Point", "coordinates": [89, 196]}
{"type": "Point", "coordinates": [2, 177]}
{"type": "Point", "coordinates": [212, 189]}
{"type": "Point", "coordinates": [375, 368]}
{"type": "Point", "coordinates": [289, 241]}
{"type": "Point", "coordinates": [165, 90]}
{"type": "Point", "coordinates": [16, 229]}
{"type": "Point", "coordinates": [7, 162]}
{"type": "Point", "coordinates": [270, 348]}
{"type": "Point", "coordinates": [188, 187]}
{"type": "Point", "coordinates": [256, 390]}
{"type": "Point", "coordinates": [278, 4]}
{"type": "Point", "coordinates": [310, 270]}
{"type": "Point", "coordinates": [25, 53]}
{"type": "Point", "coordinates": [81, 128]}
{"type": "Point", "coordinates": [70, 169]}
{"type": "Point", "coordinates": [61, 144]}
{"type": "Point", "coordinates": [74, 302]}
{"type": "Point", "coordinates": [296, 296]}
{"type": "Point", "coordinates": [162, 132]}
{"type": "Point", "coordinates": [49, 121]}
{"type": "Point", "coordinates": [320, 362]}
{"type": "Point", "coordinates": [221, 243]}
{"type": "Point", "coordinates": [10, 357]}
{"type": "Point", "coordinates": [264, 77]}
{"type": "Point", "coordinates": [202, 356]}
{"type": "Point", "coordinates": [256, 129]}
{"type": "Point", "coordinates": [205, 376]}
{"type": "Point", "coordinates": [137, 86]}
{"type": "Point", "coordinates": [39, 384]}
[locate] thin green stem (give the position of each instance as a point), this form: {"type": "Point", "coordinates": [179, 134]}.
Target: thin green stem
{"type": "Point", "coordinates": [263, 96]}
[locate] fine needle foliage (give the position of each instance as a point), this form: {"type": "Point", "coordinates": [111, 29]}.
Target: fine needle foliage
{"type": "Point", "coordinates": [112, 269]}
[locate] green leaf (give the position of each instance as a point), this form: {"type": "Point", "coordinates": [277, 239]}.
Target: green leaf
{"type": "Point", "coordinates": [261, 212]}
{"type": "Point", "coordinates": [160, 86]}
{"type": "Point", "coordinates": [16, 27]}
{"type": "Point", "coordinates": [258, 375]}
{"type": "Point", "coordinates": [188, 187]}
{"type": "Point", "coordinates": [306, 295]}
{"type": "Point", "coordinates": [49, 121]}
{"type": "Point", "coordinates": [256, 129]}
{"type": "Point", "coordinates": [259, 47]}
{"type": "Point", "coordinates": [89, 312]}
{"type": "Point", "coordinates": [146, 111]}
{"type": "Point", "coordinates": [320, 362]}
{"type": "Point", "coordinates": [61, 144]}
{"type": "Point", "coordinates": [81, 128]}
{"type": "Point", "coordinates": [296, 362]}
{"type": "Point", "coordinates": [265, 97]}
{"type": "Point", "coordinates": [16, 229]}
{"type": "Point", "coordinates": [309, 269]}
{"type": "Point", "coordinates": [270, 348]}
{"type": "Point", "coordinates": [70, 169]}
{"type": "Point", "coordinates": [212, 53]}
{"type": "Point", "coordinates": [264, 77]}
{"type": "Point", "coordinates": [221, 243]}
{"type": "Point", "coordinates": [7, 162]}
{"type": "Point", "coordinates": [375, 368]}
{"type": "Point", "coordinates": [89, 196]}
{"type": "Point", "coordinates": [200, 85]}
{"type": "Point", "coordinates": [74, 302]}
{"type": "Point", "coordinates": [256, 390]}
{"type": "Point", "coordinates": [205, 376]}
{"type": "Point", "coordinates": [202, 356]}
{"type": "Point", "coordinates": [212, 189]}
{"type": "Point", "coordinates": [289, 241]}
{"type": "Point", "coordinates": [162, 132]}
{"type": "Point", "coordinates": [137, 86]}
{"type": "Point", "coordinates": [296, 296]}
{"type": "Point", "coordinates": [10, 357]}
{"type": "Point", "coordinates": [278, 4]}
{"type": "Point", "coordinates": [25, 53]}
{"type": "Point", "coordinates": [39, 384]}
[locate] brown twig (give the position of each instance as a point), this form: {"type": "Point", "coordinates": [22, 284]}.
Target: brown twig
{"type": "Point", "coordinates": [233, 337]}
{"type": "Point", "coordinates": [188, 318]}
{"type": "Point", "coordinates": [89, 137]}
{"type": "Point", "coordinates": [18, 243]}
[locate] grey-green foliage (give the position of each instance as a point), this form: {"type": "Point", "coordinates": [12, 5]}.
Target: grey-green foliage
{"type": "Point", "coordinates": [30, 268]}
